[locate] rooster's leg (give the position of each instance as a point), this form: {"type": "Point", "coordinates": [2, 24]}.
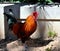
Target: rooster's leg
{"type": "Point", "coordinates": [19, 42]}
{"type": "Point", "coordinates": [26, 47]}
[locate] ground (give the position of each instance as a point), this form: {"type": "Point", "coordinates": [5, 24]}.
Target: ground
{"type": "Point", "coordinates": [33, 45]}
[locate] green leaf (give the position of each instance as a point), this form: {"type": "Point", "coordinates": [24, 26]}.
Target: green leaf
{"type": "Point", "coordinates": [48, 49]}
{"type": "Point", "coordinates": [52, 34]}
{"type": "Point", "coordinates": [50, 1]}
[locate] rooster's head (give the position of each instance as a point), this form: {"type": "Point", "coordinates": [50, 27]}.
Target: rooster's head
{"type": "Point", "coordinates": [35, 14]}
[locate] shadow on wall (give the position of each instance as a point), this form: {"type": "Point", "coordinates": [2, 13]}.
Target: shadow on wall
{"type": "Point", "coordinates": [8, 33]}
{"type": "Point", "coordinates": [15, 8]}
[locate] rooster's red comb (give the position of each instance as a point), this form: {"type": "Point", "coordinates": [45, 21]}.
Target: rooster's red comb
{"type": "Point", "coordinates": [35, 14]}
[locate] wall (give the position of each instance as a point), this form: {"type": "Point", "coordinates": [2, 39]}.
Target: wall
{"type": "Point", "coordinates": [53, 13]}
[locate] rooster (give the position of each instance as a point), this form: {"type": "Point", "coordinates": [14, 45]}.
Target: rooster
{"type": "Point", "coordinates": [24, 30]}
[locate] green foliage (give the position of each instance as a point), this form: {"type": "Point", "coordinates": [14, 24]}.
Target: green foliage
{"type": "Point", "coordinates": [45, 1]}
{"type": "Point", "coordinates": [52, 34]}
{"type": "Point", "coordinates": [29, 1]}
{"type": "Point", "coordinates": [48, 49]}
{"type": "Point", "coordinates": [21, 0]}
{"type": "Point", "coordinates": [48, 0]}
